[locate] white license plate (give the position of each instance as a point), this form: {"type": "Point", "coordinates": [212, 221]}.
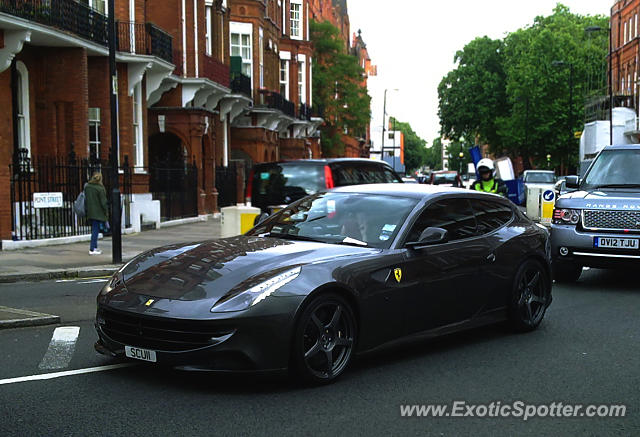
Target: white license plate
{"type": "Point", "coordinates": [616, 243]}
{"type": "Point", "coordinates": [140, 354]}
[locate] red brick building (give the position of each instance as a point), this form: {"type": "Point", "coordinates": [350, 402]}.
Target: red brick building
{"type": "Point", "coordinates": [203, 86]}
{"type": "Point", "coordinates": [625, 34]}
{"type": "Point", "coordinates": [270, 40]}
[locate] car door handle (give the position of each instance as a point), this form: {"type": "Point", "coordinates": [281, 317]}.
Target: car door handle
{"type": "Point", "coordinates": [492, 258]}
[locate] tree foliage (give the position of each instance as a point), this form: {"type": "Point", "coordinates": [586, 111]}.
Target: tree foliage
{"type": "Point", "coordinates": [473, 96]}
{"type": "Point", "coordinates": [338, 88]}
{"type": "Point", "coordinates": [510, 94]}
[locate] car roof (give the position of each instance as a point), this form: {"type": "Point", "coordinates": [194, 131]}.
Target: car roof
{"type": "Point", "coordinates": [623, 147]}
{"type": "Point", "coordinates": [539, 171]}
{"type": "Point", "coordinates": [415, 191]}
{"type": "Point", "coordinates": [325, 161]}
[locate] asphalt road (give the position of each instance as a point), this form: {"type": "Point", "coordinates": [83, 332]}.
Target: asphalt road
{"type": "Point", "coordinates": [586, 352]}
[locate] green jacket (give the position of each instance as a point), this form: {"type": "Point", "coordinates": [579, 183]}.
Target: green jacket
{"type": "Point", "coordinates": [96, 202]}
{"type": "Point", "coordinates": [495, 186]}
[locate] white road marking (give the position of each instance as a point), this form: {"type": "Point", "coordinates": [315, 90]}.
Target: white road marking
{"type": "Point", "coordinates": [93, 281]}
{"type": "Point", "coordinates": [61, 348]}
{"type": "Point", "coordinates": [55, 375]}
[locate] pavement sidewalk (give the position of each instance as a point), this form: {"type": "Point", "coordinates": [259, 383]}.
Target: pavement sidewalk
{"type": "Point", "coordinates": [73, 260]}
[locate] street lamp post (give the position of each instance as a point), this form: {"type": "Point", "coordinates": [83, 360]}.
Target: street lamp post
{"type": "Point", "coordinates": [570, 115]}
{"type": "Point", "coordinates": [610, 76]}
{"type": "Point", "coordinates": [115, 213]}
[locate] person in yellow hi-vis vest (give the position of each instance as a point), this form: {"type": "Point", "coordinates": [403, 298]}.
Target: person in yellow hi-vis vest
{"type": "Point", "coordinates": [488, 183]}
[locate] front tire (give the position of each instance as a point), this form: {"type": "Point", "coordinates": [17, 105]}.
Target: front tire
{"type": "Point", "coordinates": [566, 272]}
{"type": "Point", "coordinates": [530, 296]}
{"type": "Point", "coordinates": [324, 339]}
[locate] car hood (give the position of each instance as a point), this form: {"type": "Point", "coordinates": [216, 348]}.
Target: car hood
{"type": "Point", "coordinates": [601, 199]}
{"type": "Point", "coordinates": [206, 271]}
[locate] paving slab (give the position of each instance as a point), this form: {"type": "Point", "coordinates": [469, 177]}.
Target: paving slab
{"type": "Point", "coordinates": [17, 318]}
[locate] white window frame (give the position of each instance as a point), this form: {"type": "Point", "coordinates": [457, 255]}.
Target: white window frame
{"type": "Point", "coordinates": [310, 82]}
{"type": "Point", "coordinates": [24, 117]}
{"type": "Point", "coordinates": [132, 27]}
{"type": "Point", "coordinates": [302, 79]}
{"type": "Point", "coordinates": [94, 4]}
{"type": "Point", "coordinates": [285, 59]}
{"type": "Point", "coordinates": [292, 21]}
{"type": "Point", "coordinates": [284, 17]}
{"type": "Point", "coordinates": [208, 36]}
{"type": "Point", "coordinates": [94, 125]}
{"type": "Point", "coordinates": [243, 29]}
{"type": "Point", "coordinates": [625, 32]}
{"type": "Point", "coordinates": [138, 129]}
{"type": "Point", "coordinates": [261, 56]}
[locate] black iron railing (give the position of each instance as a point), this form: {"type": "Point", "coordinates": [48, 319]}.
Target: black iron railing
{"type": "Point", "coordinates": [85, 22]}
{"type": "Point", "coordinates": [276, 101]}
{"type": "Point", "coordinates": [175, 185]}
{"type": "Point", "coordinates": [161, 43]}
{"type": "Point", "coordinates": [305, 112]}
{"type": "Point", "coordinates": [68, 15]}
{"type": "Point", "coordinates": [66, 175]}
{"type": "Point", "coordinates": [144, 39]}
{"type": "Point", "coordinates": [241, 84]}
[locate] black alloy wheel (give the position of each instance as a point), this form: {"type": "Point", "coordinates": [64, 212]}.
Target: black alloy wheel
{"type": "Point", "coordinates": [324, 339]}
{"type": "Point", "coordinates": [530, 296]}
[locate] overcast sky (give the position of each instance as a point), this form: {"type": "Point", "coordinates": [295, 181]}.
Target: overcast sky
{"type": "Point", "coordinates": [413, 43]}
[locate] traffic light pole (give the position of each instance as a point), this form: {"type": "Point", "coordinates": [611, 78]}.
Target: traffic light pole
{"type": "Point", "coordinates": [116, 210]}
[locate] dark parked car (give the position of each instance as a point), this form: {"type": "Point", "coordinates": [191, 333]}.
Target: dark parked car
{"type": "Point", "coordinates": [274, 185]}
{"type": "Point", "coordinates": [446, 178]}
{"type": "Point", "coordinates": [330, 276]}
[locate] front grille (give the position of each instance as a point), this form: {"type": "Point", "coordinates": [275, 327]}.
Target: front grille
{"type": "Point", "coordinates": [611, 220]}
{"type": "Point", "coordinates": [159, 333]}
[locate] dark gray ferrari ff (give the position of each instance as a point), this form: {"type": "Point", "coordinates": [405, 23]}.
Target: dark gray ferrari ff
{"type": "Point", "coordinates": [332, 275]}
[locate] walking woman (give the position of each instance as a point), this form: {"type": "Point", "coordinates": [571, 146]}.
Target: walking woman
{"type": "Point", "coordinates": [97, 212]}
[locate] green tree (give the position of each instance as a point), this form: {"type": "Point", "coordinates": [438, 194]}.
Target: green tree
{"type": "Point", "coordinates": [434, 155]}
{"type": "Point", "coordinates": [509, 93]}
{"type": "Point", "coordinates": [472, 97]}
{"type": "Point", "coordinates": [541, 121]}
{"type": "Point", "coordinates": [415, 148]}
{"type": "Point", "coordinates": [338, 88]}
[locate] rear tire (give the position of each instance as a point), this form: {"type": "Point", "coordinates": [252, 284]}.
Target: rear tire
{"type": "Point", "coordinates": [530, 296]}
{"type": "Point", "coordinates": [324, 339]}
{"type": "Point", "coordinates": [566, 272]}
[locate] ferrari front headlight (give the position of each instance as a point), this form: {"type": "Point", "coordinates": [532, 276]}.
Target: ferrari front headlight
{"type": "Point", "coordinates": [255, 294]}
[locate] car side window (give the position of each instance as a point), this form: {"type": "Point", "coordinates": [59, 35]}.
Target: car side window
{"type": "Point", "coordinates": [454, 215]}
{"type": "Point", "coordinates": [389, 176]}
{"type": "Point", "coordinates": [491, 215]}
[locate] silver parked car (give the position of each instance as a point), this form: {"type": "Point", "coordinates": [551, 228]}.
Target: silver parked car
{"type": "Point", "coordinates": [598, 225]}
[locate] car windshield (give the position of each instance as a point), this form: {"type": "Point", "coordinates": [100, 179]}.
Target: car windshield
{"type": "Point", "coordinates": [341, 218]}
{"type": "Point", "coordinates": [614, 169]}
{"type": "Point", "coordinates": [444, 178]}
{"type": "Point", "coordinates": [540, 178]}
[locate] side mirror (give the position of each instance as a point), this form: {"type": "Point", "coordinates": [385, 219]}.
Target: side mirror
{"type": "Point", "coordinates": [573, 182]}
{"type": "Point", "coordinates": [260, 218]}
{"type": "Point", "coordinates": [429, 237]}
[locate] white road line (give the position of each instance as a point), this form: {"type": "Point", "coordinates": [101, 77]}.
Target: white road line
{"type": "Point", "coordinates": [93, 281]}
{"type": "Point", "coordinates": [45, 376]}
{"type": "Point", "coordinates": [61, 348]}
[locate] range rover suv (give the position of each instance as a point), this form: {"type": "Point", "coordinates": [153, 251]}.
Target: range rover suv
{"type": "Point", "coordinates": [598, 225]}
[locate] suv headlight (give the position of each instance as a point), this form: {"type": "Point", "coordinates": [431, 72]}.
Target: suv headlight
{"type": "Point", "coordinates": [247, 298]}
{"type": "Point", "coordinates": [565, 216]}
